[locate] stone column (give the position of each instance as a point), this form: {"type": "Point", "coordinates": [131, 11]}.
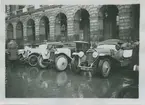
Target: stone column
{"type": "Point", "coordinates": [124, 22]}
{"type": "Point", "coordinates": [37, 30]}
{"type": "Point", "coordinates": [94, 27]}
{"type": "Point", "coordinates": [52, 28]}
{"type": "Point", "coordinates": [25, 32]}
{"type": "Point", "coordinates": [8, 10]}
{"type": "Point", "coordinates": [70, 29]}
{"type": "Point", "coordinates": [6, 25]}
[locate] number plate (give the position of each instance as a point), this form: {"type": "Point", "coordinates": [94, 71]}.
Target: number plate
{"type": "Point", "coordinates": [85, 68]}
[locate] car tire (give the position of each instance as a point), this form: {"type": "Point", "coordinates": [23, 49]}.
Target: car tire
{"type": "Point", "coordinates": [104, 67]}
{"type": "Point", "coordinates": [41, 64]}
{"type": "Point", "coordinates": [61, 63]}
{"type": "Point", "coordinates": [74, 66]}
{"type": "Point", "coordinates": [33, 60]}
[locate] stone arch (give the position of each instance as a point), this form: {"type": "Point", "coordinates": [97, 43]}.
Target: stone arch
{"type": "Point", "coordinates": [107, 17]}
{"type": "Point", "coordinates": [44, 28]}
{"type": "Point", "coordinates": [86, 7]}
{"type": "Point", "coordinates": [31, 30]}
{"type": "Point", "coordinates": [61, 11]}
{"type": "Point", "coordinates": [10, 34]}
{"type": "Point", "coordinates": [82, 25]}
{"type": "Point", "coordinates": [61, 26]}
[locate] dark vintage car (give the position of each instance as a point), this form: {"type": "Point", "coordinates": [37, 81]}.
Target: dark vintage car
{"type": "Point", "coordinates": [107, 55]}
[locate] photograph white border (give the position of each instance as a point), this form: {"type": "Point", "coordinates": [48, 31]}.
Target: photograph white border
{"type": "Point", "coordinates": [73, 101]}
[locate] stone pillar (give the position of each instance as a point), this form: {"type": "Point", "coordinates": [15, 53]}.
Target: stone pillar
{"type": "Point", "coordinates": [37, 30]}
{"type": "Point", "coordinates": [8, 10]}
{"type": "Point", "coordinates": [94, 27]}
{"type": "Point", "coordinates": [17, 7]}
{"type": "Point", "coordinates": [70, 31]}
{"type": "Point", "coordinates": [25, 32]}
{"type": "Point", "coordinates": [124, 22]}
{"type": "Point", "coordinates": [52, 28]}
{"type": "Point", "coordinates": [6, 25]}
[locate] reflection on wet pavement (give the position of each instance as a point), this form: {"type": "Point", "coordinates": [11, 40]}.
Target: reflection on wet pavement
{"type": "Point", "coordinates": [25, 81]}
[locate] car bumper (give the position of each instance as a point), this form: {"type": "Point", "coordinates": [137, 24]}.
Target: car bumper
{"type": "Point", "coordinates": [85, 68]}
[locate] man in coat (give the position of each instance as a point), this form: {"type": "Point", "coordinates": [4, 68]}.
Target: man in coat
{"type": "Point", "coordinates": [13, 52]}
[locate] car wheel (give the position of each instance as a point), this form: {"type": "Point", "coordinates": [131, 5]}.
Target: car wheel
{"type": "Point", "coordinates": [33, 60]}
{"type": "Point", "coordinates": [74, 66]}
{"type": "Point", "coordinates": [41, 63]}
{"type": "Point", "coordinates": [104, 67]}
{"type": "Point", "coordinates": [61, 63]}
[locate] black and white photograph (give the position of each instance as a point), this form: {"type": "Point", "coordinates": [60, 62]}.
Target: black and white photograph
{"type": "Point", "coordinates": [72, 51]}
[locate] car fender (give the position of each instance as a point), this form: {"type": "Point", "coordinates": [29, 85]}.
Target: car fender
{"type": "Point", "coordinates": [65, 51]}
{"type": "Point", "coordinates": [20, 51]}
{"type": "Point", "coordinates": [75, 53]}
{"type": "Point", "coordinates": [45, 56]}
{"type": "Point", "coordinates": [34, 53]}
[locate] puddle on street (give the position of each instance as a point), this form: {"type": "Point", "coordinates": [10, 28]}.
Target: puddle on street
{"type": "Point", "coordinates": [25, 81]}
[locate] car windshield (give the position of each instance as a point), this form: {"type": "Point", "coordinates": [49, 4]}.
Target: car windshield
{"type": "Point", "coordinates": [107, 47]}
{"type": "Point", "coordinates": [43, 46]}
{"type": "Point", "coordinates": [82, 47]}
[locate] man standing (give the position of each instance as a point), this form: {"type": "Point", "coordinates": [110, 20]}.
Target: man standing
{"type": "Point", "coordinates": [12, 52]}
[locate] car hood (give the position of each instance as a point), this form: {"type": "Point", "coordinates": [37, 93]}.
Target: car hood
{"type": "Point", "coordinates": [101, 51]}
{"type": "Point", "coordinates": [111, 41]}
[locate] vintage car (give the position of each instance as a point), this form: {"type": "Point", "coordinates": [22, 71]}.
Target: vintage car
{"type": "Point", "coordinates": [60, 57]}
{"type": "Point", "coordinates": [107, 55]}
{"type": "Point", "coordinates": [54, 53]}
{"type": "Point", "coordinates": [30, 53]}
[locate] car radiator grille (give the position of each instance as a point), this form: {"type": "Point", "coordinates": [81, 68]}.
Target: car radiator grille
{"type": "Point", "coordinates": [90, 58]}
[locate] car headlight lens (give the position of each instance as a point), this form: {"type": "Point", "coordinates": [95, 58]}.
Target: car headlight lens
{"type": "Point", "coordinates": [95, 54]}
{"type": "Point", "coordinates": [81, 54]}
{"type": "Point", "coordinates": [46, 52]}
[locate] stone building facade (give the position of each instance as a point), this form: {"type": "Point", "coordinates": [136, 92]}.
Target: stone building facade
{"type": "Point", "coordinates": [72, 22]}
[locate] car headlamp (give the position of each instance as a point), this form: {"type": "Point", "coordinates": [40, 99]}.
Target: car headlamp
{"type": "Point", "coordinates": [95, 54]}
{"type": "Point", "coordinates": [46, 52]}
{"type": "Point", "coordinates": [81, 54]}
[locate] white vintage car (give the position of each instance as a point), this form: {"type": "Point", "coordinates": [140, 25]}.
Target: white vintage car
{"type": "Point", "coordinates": [30, 54]}
{"type": "Point", "coordinates": [55, 54]}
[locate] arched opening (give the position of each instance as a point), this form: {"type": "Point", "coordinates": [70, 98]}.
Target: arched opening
{"type": "Point", "coordinates": [31, 30]}
{"type": "Point", "coordinates": [82, 25]}
{"type": "Point", "coordinates": [19, 34]}
{"type": "Point", "coordinates": [135, 21]}
{"type": "Point", "coordinates": [44, 29]}
{"type": "Point", "coordinates": [9, 32]}
{"type": "Point", "coordinates": [108, 16]}
{"type": "Point", "coordinates": [61, 27]}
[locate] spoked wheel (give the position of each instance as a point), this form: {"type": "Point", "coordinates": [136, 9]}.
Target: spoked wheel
{"type": "Point", "coordinates": [74, 66]}
{"type": "Point", "coordinates": [33, 60]}
{"type": "Point", "coordinates": [105, 67]}
{"type": "Point", "coordinates": [61, 63]}
{"type": "Point", "coordinates": [42, 63]}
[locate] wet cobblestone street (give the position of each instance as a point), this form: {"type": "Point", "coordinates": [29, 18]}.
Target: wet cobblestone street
{"type": "Point", "coordinates": [26, 82]}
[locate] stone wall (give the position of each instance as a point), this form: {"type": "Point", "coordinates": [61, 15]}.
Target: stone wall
{"type": "Point", "coordinates": [96, 29]}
